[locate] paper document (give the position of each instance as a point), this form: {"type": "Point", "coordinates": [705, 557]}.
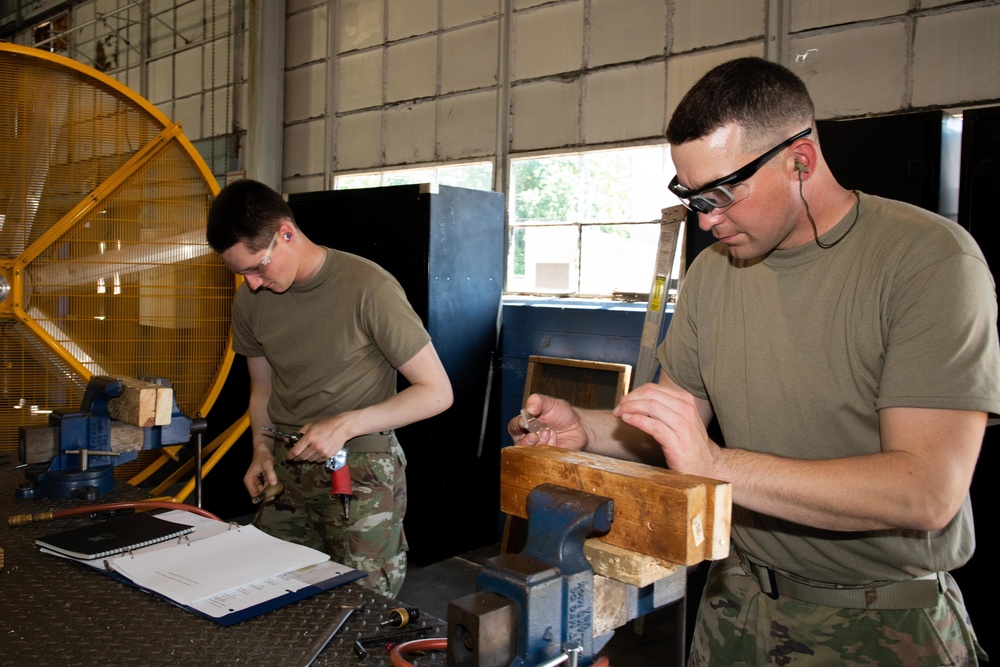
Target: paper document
{"type": "Point", "coordinates": [260, 592]}
{"type": "Point", "coordinates": [208, 567]}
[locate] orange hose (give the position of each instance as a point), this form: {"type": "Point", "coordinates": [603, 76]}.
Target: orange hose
{"type": "Point", "coordinates": [442, 644]}
{"type": "Point", "coordinates": [396, 656]}
{"type": "Point", "coordinates": [23, 519]}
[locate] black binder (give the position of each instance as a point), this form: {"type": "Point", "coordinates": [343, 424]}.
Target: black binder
{"type": "Point", "coordinates": [113, 536]}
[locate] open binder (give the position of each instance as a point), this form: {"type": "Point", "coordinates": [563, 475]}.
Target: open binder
{"type": "Point", "coordinates": [224, 572]}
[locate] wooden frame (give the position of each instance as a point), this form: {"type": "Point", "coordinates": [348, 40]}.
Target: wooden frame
{"type": "Point", "coordinates": [585, 384]}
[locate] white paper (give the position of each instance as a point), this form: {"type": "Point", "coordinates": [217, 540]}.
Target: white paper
{"type": "Point", "coordinates": [244, 597]}
{"type": "Point", "coordinates": [236, 558]}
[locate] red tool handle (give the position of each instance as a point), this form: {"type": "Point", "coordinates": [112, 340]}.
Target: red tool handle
{"type": "Point", "coordinates": [340, 482]}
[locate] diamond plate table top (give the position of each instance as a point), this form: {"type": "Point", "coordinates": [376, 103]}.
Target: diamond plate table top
{"type": "Point", "coordinates": [57, 612]}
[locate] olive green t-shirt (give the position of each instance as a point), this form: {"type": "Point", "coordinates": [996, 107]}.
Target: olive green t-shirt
{"type": "Point", "coordinates": [333, 342]}
{"type": "Point", "coordinates": [798, 352]}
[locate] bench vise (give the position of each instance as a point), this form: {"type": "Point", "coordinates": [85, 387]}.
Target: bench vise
{"type": "Point", "coordinates": [538, 607]}
{"type": "Point", "coordinates": [74, 456]}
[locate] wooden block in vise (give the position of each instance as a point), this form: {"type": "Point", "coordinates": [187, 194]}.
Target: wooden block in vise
{"type": "Point", "coordinates": [679, 518]}
{"type": "Point", "coordinates": [142, 403]}
{"type": "Point", "coordinates": [627, 566]}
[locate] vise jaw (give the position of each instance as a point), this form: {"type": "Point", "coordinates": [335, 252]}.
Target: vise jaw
{"type": "Point", "coordinates": [533, 606]}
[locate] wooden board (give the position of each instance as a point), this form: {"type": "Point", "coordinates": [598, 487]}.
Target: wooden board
{"type": "Point", "coordinates": [142, 403]}
{"type": "Point", "coordinates": [679, 518]}
{"type": "Point", "coordinates": [585, 384]}
{"type": "Point", "coordinates": [626, 566]}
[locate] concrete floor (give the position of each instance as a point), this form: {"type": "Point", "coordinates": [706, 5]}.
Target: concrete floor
{"type": "Point", "coordinates": [649, 643]}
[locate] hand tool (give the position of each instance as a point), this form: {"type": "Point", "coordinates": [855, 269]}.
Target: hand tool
{"type": "Point", "coordinates": [340, 480]}
{"type": "Point", "coordinates": [340, 474]}
{"type": "Point", "coordinates": [328, 633]}
{"type": "Point", "coordinates": [400, 617]}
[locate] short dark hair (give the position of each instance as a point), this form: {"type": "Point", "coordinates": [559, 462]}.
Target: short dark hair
{"type": "Point", "coordinates": [247, 212]}
{"type": "Point", "coordinates": [765, 98]}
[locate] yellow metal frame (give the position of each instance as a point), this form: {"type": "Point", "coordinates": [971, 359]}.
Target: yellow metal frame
{"type": "Point", "coordinates": [171, 132]}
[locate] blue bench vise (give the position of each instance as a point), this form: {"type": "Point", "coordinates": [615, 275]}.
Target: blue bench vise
{"type": "Point", "coordinates": [536, 606]}
{"type": "Point", "coordinates": [74, 456]}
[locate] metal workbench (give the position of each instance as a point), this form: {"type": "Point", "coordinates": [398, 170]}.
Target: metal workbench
{"type": "Point", "coordinates": [58, 612]}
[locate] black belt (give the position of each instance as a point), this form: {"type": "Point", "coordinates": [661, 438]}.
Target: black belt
{"type": "Point", "coordinates": [911, 594]}
{"type": "Point", "coordinates": [370, 443]}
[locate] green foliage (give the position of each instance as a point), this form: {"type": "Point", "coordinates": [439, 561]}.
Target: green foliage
{"type": "Point", "coordinates": [545, 189]}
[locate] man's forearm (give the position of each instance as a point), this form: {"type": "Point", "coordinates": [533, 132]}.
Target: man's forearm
{"type": "Point", "coordinates": [610, 436]}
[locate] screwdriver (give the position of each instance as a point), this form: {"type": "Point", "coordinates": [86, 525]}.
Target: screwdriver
{"type": "Point", "coordinates": [400, 617]}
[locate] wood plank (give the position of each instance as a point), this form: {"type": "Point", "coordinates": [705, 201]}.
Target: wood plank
{"type": "Point", "coordinates": [142, 403]}
{"type": "Point", "coordinates": [679, 518]}
{"type": "Point", "coordinates": [628, 567]}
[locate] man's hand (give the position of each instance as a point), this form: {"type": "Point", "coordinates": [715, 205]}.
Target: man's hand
{"type": "Point", "coordinates": [261, 473]}
{"type": "Point", "coordinates": [563, 426]}
{"type": "Point", "coordinates": [674, 418]}
{"type": "Point", "coordinates": [321, 439]}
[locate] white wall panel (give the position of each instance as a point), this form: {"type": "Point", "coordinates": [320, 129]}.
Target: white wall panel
{"type": "Point", "coordinates": [460, 12]}
{"type": "Point", "coordinates": [623, 30]}
{"type": "Point", "coordinates": [624, 103]}
{"type": "Point", "coordinates": [187, 112]}
{"type": "Point", "coordinates": [854, 72]}
{"type": "Point", "coordinates": [190, 22]}
{"type": "Point", "coordinates": [187, 69]}
{"type": "Point", "coordinates": [359, 140]}
{"type": "Point", "coordinates": [360, 24]}
{"type": "Point", "coordinates": [715, 22]}
{"type": "Point", "coordinates": [303, 149]}
{"type": "Point", "coordinates": [305, 92]}
{"type": "Point", "coordinates": [412, 69]}
{"type": "Point", "coordinates": [309, 43]}
{"type": "Point", "coordinates": [956, 56]}
{"type": "Point", "coordinates": [304, 184]}
{"type": "Point", "coordinates": [216, 69]}
{"type": "Point", "coordinates": [292, 6]}
{"type": "Point", "coordinates": [467, 125]}
{"type": "Point", "coordinates": [359, 81]}
{"type": "Point", "coordinates": [216, 113]}
{"type": "Point", "coordinates": [548, 40]}
{"type": "Point", "coordinates": [469, 57]}
{"type": "Point", "coordinates": [410, 133]}
{"type": "Point", "coordinates": [408, 18]}
{"type": "Point", "coordinates": [806, 14]}
{"type": "Point", "coordinates": [161, 80]}
{"type": "Point", "coordinates": [928, 4]}
{"type": "Point", "coordinates": [546, 114]}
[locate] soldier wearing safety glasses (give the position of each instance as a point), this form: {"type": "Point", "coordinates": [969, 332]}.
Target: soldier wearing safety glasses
{"type": "Point", "coordinates": [847, 345]}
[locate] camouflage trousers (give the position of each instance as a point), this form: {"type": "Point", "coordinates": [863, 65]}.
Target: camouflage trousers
{"type": "Point", "coordinates": [739, 625]}
{"type": "Point", "coordinates": [371, 539]}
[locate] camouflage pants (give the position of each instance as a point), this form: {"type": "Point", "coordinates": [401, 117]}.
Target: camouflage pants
{"type": "Point", "coordinates": [739, 625]}
{"type": "Point", "coordinates": [371, 539]}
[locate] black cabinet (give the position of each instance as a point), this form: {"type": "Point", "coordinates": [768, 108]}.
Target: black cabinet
{"type": "Point", "coordinates": [446, 249]}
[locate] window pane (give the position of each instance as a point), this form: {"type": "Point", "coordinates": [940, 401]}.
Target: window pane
{"type": "Point", "coordinates": [628, 185]}
{"type": "Point", "coordinates": [543, 260]}
{"type": "Point", "coordinates": [354, 181]}
{"type": "Point", "coordinates": [617, 258]}
{"type": "Point", "coordinates": [408, 177]}
{"type": "Point", "coordinates": [545, 189]}
{"type": "Point", "coordinates": [477, 176]}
